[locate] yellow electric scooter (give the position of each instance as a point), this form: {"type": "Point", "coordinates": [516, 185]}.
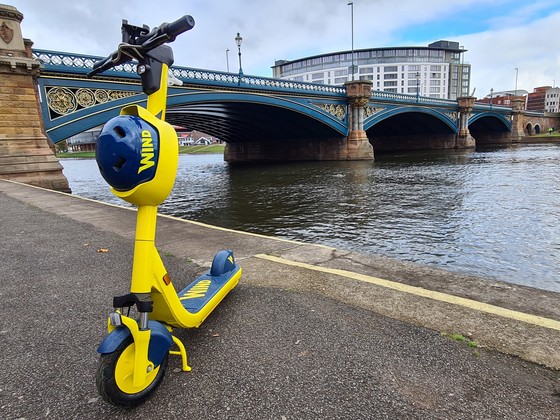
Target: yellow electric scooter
{"type": "Point", "coordinates": [137, 154]}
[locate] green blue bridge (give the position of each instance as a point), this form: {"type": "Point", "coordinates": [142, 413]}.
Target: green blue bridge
{"type": "Point", "coordinates": [262, 118]}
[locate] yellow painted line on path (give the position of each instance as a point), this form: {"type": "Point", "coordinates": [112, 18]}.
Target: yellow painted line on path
{"type": "Point", "coordinates": [430, 294]}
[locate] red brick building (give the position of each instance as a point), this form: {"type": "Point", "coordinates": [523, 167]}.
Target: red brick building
{"type": "Point", "coordinates": [504, 98]}
{"type": "Point", "coordinates": [536, 99]}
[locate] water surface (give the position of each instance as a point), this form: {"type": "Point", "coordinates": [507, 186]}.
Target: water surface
{"type": "Point", "coordinates": [492, 213]}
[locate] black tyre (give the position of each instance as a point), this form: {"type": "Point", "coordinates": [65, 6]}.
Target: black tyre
{"type": "Point", "coordinates": [114, 377]}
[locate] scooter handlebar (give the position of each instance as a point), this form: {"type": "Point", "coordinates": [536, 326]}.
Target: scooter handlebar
{"type": "Point", "coordinates": [166, 32]}
{"type": "Point", "coordinates": [177, 27]}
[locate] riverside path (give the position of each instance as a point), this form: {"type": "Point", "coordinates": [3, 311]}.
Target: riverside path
{"type": "Point", "coordinates": [310, 332]}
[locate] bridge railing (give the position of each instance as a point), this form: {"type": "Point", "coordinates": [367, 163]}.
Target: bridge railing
{"type": "Point", "coordinates": [196, 75]}
{"type": "Point", "coordinates": [403, 97]}
{"type": "Point", "coordinates": [495, 108]}
{"type": "Point", "coordinates": [62, 62]}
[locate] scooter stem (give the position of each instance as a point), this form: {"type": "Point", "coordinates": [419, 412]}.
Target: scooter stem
{"type": "Point", "coordinates": [144, 248]}
{"type": "Point", "coordinates": [144, 243]}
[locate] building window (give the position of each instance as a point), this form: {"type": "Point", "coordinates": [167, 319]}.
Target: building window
{"type": "Point", "coordinates": [390, 69]}
{"type": "Point", "coordinates": [317, 75]}
{"type": "Point", "coordinates": [391, 76]}
{"type": "Point", "coordinates": [390, 83]}
{"type": "Point", "coordinates": [365, 70]}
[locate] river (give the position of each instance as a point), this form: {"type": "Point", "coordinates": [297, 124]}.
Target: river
{"type": "Point", "coordinates": [492, 213]}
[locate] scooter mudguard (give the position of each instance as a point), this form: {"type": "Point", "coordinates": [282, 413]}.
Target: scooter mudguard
{"type": "Point", "coordinates": [160, 341]}
{"type": "Point", "coordinates": [222, 263]}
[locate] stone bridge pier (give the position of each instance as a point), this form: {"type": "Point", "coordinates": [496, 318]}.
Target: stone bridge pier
{"type": "Point", "coordinates": [26, 154]}
{"type": "Point", "coordinates": [464, 138]}
{"type": "Point", "coordinates": [359, 147]}
{"type": "Point", "coordinates": [355, 146]}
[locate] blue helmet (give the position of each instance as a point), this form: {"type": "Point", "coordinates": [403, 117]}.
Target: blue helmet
{"type": "Point", "coordinates": [127, 152]}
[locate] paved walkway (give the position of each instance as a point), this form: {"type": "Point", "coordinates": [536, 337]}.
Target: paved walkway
{"type": "Point", "coordinates": [310, 332]}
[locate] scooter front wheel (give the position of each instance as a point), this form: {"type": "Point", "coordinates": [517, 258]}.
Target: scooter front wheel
{"type": "Point", "coordinates": [114, 377]}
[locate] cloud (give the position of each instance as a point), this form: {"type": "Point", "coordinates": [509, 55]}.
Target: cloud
{"type": "Point", "coordinates": [499, 34]}
{"type": "Point", "coordinates": [495, 54]}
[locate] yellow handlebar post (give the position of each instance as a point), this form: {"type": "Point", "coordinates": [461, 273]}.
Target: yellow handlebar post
{"type": "Point", "coordinates": [144, 248]}
{"type": "Point", "coordinates": [157, 101]}
{"type": "Point", "coordinates": [144, 244]}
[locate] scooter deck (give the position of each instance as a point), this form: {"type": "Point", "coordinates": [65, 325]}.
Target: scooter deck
{"type": "Point", "coordinates": [201, 291]}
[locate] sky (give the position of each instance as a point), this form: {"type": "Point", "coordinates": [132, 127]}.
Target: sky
{"type": "Point", "coordinates": [500, 35]}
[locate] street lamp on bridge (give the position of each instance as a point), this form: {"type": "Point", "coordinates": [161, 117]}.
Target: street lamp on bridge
{"type": "Point", "coordinates": [238, 41]}
{"type": "Point", "coordinates": [491, 96]}
{"type": "Point", "coordinates": [417, 86]}
{"type": "Point", "coordinates": [351, 4]}
{"type": "Point", "coordinates": [516, 74]}
{"type": "Point", "coordinates": [227, 59]}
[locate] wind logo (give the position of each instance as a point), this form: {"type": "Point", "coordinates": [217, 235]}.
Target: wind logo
{"type": "Point", "coordinates": [147, 159]}
{"type": "Point", "coordinates": [198, 290]}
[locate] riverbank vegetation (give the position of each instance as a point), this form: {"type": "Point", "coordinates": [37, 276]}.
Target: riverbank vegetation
{"type": "Point", "coordinates": [183, 150]}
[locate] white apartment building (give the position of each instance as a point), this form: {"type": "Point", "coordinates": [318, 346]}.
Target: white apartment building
{"type": "Point", "coordinates": [437, 70]}
{"type": "Point", "coordinates": [552, 100]}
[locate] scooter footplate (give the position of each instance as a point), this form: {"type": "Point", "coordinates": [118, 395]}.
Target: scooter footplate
{"type": "Point", "coordinates": [201, 291]}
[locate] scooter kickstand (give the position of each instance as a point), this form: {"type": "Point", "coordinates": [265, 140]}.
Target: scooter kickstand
{"type": "Point", "coordinates": [182, 352]}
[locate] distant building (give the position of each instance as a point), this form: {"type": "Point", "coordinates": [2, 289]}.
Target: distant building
{"type": "Point", "coordinates": [536, 99]}
{"type": "Point", "coordinates": [552, 100]}
{"type": "Point", "coordinates": [503, 98]}
{"type": "Point", "coordinates": [437, 70]}
{"type": "Point", "coordinates": [83, 142]}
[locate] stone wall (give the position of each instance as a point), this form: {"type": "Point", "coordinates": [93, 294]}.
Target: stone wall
{"type": "Point", "coordinates": [26, 153]}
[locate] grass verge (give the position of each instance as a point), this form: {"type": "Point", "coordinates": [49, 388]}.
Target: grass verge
{"type": "Point", "coordinates": [183, 150]}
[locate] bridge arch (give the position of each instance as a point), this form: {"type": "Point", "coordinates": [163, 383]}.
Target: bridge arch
{"type": "Point", "coordinates": [416, 115]}
{"type": "Point", "coordinates": [490, 120]}
{"type": "Point", "coordinates": [490, 128]}
{"type": "Point", "coordinates": [531, 129]}
{"type": "Point", "coordinates": [225, 114]}
{"type": "Point", "coordinates": [240, 117]}
{"type": "Point", "coordinates": [412, 127]}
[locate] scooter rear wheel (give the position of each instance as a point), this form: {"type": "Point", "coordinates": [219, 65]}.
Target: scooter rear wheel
{"type": "Point", "coordinates": [114, 377]}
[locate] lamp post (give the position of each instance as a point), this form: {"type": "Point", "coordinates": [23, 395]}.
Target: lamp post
{"type": "Point", "coordinates": [417, 86]}
{"type": "Point", "coordinates": [351, 4]}
{"type": "Point", "coordinates": [516, 74]}
{"type": "Point", "coordinates": [491, 96]}
{"type": "Point", "coordinates": [462, 63]}
{"type": "Point", "coordinates": [227, 59]}
{"type": "Point", "coordinates": [238, 41]}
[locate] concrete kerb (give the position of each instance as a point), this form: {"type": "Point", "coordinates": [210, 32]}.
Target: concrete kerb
{"type": "Point", "coordinates": [511, 319]}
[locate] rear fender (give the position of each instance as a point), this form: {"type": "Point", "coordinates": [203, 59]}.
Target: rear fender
{"type": "Point", "coordinates": [222, 263]}
{"type": "Point", "coordinates": [160, 341]}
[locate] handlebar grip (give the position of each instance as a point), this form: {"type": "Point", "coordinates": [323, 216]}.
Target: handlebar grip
{"type": "Point", "coordinates": [100, 63]}
{"type": "Point", "coordinates": [177, 27]}
{"type": "Point", "coordinates": [101, 66]}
